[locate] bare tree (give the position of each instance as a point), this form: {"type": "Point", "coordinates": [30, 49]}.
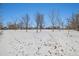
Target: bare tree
{"type": "Point", "coordinates": [15, 24]}
{"type": "Point", "coordinates": [20, 24]}
{"type": "Point", "coordinates": [55, 19]}
{"type": "Point", "coordinates": [39, 21]}
{"type": "Point", "coordinates": [77, 21]}
{"type": "Point", "coordinates": [1, 18]}
{"type": "Point", "coordinates": [1, 25]}
{"type": "Point", "coordinates": [58, 20]}
{"type": "Point", "coordinates": [62, 24]}
{"type": "Point", "coordinates": [74, 23]}
{"type": "Point", "coordinates": [68, 26]}
{"type": "Point", "coordinates": [52, 18]}
{"type": "Point", "coordinates": [26, 21]}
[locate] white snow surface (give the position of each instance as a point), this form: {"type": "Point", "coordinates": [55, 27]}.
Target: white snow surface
{"type": "Point", "coordinates": [44, 43]}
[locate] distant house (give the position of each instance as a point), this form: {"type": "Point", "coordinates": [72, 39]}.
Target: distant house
{"type": "Point", "coordinates": [12, 26]}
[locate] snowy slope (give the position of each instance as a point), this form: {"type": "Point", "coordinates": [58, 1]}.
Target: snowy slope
{"type": "Point", "coordinates": [45, 43]}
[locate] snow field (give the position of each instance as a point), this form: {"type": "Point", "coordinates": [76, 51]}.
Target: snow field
{"type": "Point", "coordinates": [44, 43]}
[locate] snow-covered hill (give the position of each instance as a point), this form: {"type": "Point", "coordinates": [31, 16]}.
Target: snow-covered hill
{"type": "Point", "coordinates": [44, 43]}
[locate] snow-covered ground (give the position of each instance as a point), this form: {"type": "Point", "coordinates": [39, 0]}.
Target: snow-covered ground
{"type": "Point", "coordinates": [44, 43]}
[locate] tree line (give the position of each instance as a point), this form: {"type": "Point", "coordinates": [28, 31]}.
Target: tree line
{"type": "Point", "coordinates": [72, 22]}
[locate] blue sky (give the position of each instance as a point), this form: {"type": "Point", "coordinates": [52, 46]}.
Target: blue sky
{"type": "Point", "coordinates": [13, 11]}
